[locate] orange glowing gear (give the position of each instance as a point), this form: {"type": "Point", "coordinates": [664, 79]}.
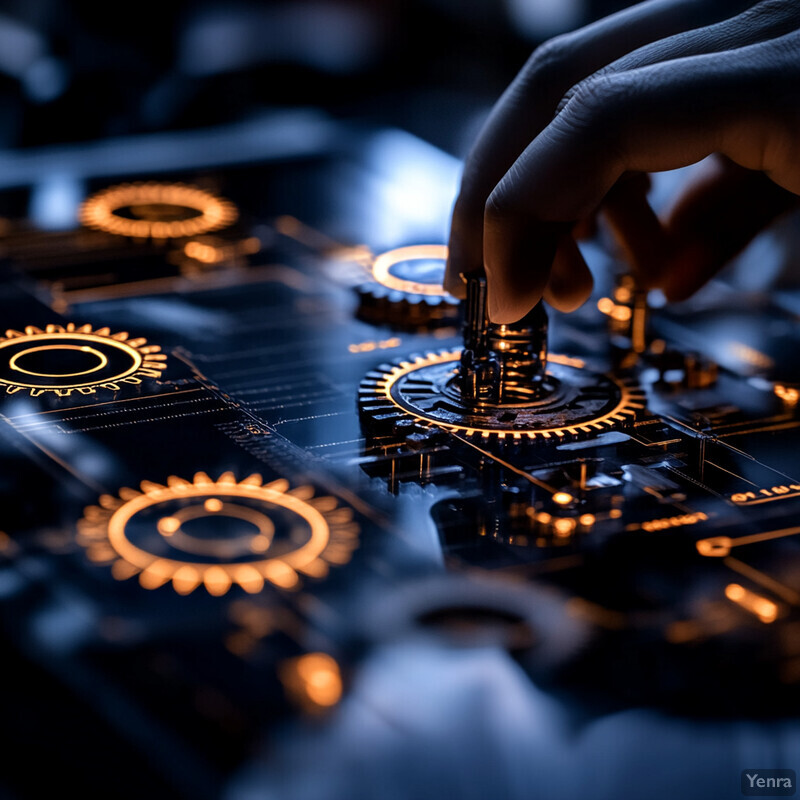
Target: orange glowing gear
{"type": "Point", "coordinates": [157, 211]}
{"type": "Point", "coordinates": [218, 533]}
{"type": "Point", "coordinates": [424, 388]}
{"type": "Point", "coordinates": [405, 289]}
{"type": "Point", "coordinates": [62, 359]}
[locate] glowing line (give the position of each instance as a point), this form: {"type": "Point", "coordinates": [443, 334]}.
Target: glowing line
{"type": "Point", "coordinates": [739, 477]}
{"type": "Point", "coordinates": [755, 575]}
{"type": "Point", "coordinates": [706, 546]}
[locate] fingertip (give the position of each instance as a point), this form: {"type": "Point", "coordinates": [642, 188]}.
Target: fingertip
{"type": "Point", "coordinates": [690, 266]}
{"type": "Point", "coordinates": [506, 310]}
{"type": "Point", "coordinates": [454, 283]}
{"type": "Point", "coordinates": [518, 254]}
{"type": "Point", "coordinates": [571, 282]}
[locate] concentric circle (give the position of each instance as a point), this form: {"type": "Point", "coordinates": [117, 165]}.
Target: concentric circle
{"type": "Point", "coordinates": [65, 359]}
{"type": "Point", "coordinates": [424, 388]}
{"type": "Point", "coordinates": [157, 211]}
{"type": "Point", "coordinates": [218, 533]}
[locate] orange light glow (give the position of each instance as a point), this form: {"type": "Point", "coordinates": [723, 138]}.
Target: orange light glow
{"type": "Point", "coordinates": [157, 205]}
{"type": "Point", "coordinates": [787, 393]}
{"type": "Point", "coordinates": [678, 521]}
{"type": "Point", "coordinates": [563, 498]}
{"type": "Point", "coordinates": [331, 534]}
{"type": "Point", "coordinates": [313, 680]}
{"type": "Point", "coordinates": [621, 313]}
{"type": "Point", "coordinates": [631, 400]}
{"type": "Point", "coordinates": [111, 359]}
{"type": "Point", "coordinates": [381, 268]}
{"type": "Point", "coordinates": [764, 609]}
{"type": "Point", "coordinates": [216, 252]}
{"type": "Point", "coordinates": [605, 305]}
{"type": "Point", "coordinates": [564, 526]}
{"type": "Point", "coordinates": [382, 344]}
{"type": "Point", "coordinates": [750, 355]}
{"type": "Point", "coordinates": [715, 547]}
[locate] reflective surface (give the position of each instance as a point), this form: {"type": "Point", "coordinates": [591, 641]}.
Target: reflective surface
{"type": "Point", "coordinates": [233, 578]}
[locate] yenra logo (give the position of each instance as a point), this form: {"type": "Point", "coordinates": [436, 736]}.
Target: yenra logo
{"type": "Point", "coordinates": [769, 782]}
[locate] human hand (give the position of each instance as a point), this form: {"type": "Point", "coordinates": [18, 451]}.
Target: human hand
{"type": "Point", "coordinates": [656, 87]}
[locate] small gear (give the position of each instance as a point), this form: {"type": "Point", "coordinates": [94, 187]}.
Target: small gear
{"type": "Point", "coordinates": [405, 289]}
{"type": "Point", "coordinates": [62, 359]}
{"type": "Point", "coordinates": [424, 388]}
{"type": "Point", "coordinates": [218, 533]}
{"type": "Point", "coordinates": [151, 210]}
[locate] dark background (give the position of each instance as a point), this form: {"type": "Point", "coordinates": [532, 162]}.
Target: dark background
{"type": "Point", "coordinates": [80, 71]}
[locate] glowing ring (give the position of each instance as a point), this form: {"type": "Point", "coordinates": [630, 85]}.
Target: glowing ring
{"type": "Point", "coordinates": [12, 362]}
{"type": "Point", "coordinates": [381, 269]}
{"type": "Point", "coordinates": [309, 552]}
{"type": "Point", "coordinates": [142, 360]}
{"type": "Point", "coordinates": [100, 210]}
{"type": "Point", "coordinates": [332, 534]}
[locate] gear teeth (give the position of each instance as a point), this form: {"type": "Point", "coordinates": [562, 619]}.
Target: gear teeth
{"type": "Point", "coordinates": [143, 360]}
{"type": "Point", "coordinates": [381, 411]}
{"type": "Point", "coordinates": [105, 534]}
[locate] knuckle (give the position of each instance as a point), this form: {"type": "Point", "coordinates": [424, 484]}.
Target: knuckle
{"type": "Point", "coordinates": [597, 102]}
{"type": "Point", "coordinates": [497, 208]}
{"type": "Point", "coordinates": [549, 60]}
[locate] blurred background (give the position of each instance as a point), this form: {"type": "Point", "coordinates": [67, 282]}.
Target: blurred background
{"type": "Point", "coordinates": [80, 71]}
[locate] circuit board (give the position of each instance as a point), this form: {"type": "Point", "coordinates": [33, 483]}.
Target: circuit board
{"type": "Point", "coordinates": [254, 546]}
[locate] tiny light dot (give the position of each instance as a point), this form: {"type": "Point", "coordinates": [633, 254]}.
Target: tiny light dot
{"type": "Point", "coordinates": [168, 525]}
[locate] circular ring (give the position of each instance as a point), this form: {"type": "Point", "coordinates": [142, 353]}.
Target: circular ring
{"type": "Point", "coordinates": [382, 266]}
{"type": "Point", "coordinates": [121, 360]}
{"type": "Point", "coordinates": [330, 534]}
{"type": "Point", "coordinates": [102, 360]}
{"type": "Point", "coordinates": [426, 400]}
{"type": "Point", "coordinates": [207, 211]}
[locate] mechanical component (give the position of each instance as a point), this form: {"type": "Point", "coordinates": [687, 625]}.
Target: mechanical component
{"type": "Point", "coordinates": [405, 289]}
{"type": "Point", "coordinates": [157, 211]}
{"type": "Point", "coordinates": [498, 385]}
{"type": "Point", "coordinates": [628, 319]}
{"type": "Point", "coordinates": [682, 370]}
{"type": "Point", "coordinates": [427, 388]}
{"type": "Point", "coordinates": [66, 359]}
{"type": "Point", "coordinates": [502, 364]}
{"type": "Point", "coordinates": [218, 533]}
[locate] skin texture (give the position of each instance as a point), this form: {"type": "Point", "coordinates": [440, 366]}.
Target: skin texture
{"type": "Point", "coordinates": [662, 85]}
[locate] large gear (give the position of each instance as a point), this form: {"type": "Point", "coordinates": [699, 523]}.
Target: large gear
{"type": "Point", "coordinates": [151, 210]}
{"type": "Point", "coordinates": [62, 359]}
{"type": "Point", "coordinates": [424, 388]}
{"type": "Point", "coordinates": [218, 533]}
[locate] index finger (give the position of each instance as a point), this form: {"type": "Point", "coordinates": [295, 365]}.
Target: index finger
{"type": "Point", "coordinates": [529, 103]}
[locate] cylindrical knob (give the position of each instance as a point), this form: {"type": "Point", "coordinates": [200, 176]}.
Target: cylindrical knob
{"type": "Point", "coordinates": [501, 364]}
